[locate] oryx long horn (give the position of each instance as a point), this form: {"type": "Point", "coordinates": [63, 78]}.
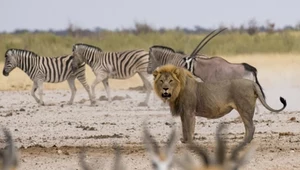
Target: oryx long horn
{"type": "Point", "coordinates": [197, 49]}
{"type": "Point", "coordinates": [193, 53]}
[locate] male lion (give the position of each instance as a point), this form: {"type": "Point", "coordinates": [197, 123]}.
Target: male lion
{"type": "Point", "coordinates": [189, 98]}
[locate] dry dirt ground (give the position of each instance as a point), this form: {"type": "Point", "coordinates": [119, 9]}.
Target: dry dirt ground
{"type": "Point", "coordinates": [49, 137]}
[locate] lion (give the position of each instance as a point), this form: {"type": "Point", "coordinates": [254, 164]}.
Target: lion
{"type": "Point", "coordinates": [188, 98]}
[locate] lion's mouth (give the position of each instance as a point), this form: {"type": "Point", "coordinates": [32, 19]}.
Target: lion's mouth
{"type": "Point", "coordinates": [166, 95]}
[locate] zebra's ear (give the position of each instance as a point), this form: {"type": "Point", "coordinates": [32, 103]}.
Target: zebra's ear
{"type": "Point", "coordinates": [74, 47]}
{"type": "Point", "coordinates": [9, 52]}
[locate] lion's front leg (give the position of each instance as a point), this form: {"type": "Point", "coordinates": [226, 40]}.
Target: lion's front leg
{"type": "Point", "coordinates": [188, 126]}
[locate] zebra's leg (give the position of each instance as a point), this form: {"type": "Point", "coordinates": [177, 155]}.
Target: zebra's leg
{"type": "Point", "coordinates": [40, 87]}
{"type": "Point", "coordinates": [71, 82]}
{"type": "Point", "coordinates": [148, 87]}
{"type": "Point", "coordinates": [100, 76]}
{"type": "Point", "coordinates": [33, 90]}
{"type": "Point", "coordinates": [107, 89]}
{"type": "Point", "coordinates": [82, 80]}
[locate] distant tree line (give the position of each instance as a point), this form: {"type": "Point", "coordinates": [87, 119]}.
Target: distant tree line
{"type": "Point", "coordinates": [142, 28]}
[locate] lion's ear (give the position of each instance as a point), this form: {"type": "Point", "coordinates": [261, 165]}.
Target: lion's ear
{"type": "Point", "coordinates": [155, 73]}
{"type": "Point", "coordinates": [177, 72]}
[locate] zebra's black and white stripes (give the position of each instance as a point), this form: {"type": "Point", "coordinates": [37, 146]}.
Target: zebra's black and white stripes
{"type": "Point", "coordinates": [115, 65]}
{"type": "Point", "coordinates": [161, 55]}
{"type": "Point", "coordinates": [45, 69]}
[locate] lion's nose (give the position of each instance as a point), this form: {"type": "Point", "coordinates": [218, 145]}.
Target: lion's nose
{"type": "Point", "coordinates": [166, 89]}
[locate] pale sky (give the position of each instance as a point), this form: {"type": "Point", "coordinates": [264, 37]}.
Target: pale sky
{"type": "Point", "coordinates": [113, 14]}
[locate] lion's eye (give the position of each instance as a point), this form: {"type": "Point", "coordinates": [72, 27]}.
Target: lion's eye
{"type": "Point", "coordinates": [170, 81]}
{"type": "Point", "coordinates": [161, 81]}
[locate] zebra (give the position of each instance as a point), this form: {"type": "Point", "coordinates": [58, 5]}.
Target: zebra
{"type": "Point", "coordinates": [160, 55]}
{"type": "Point", "coordinates": [115, 65]}
{"type": "Point", "coordinates": [45, 69]}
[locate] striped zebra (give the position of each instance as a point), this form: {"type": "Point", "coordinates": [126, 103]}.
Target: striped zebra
{"type": "Point", "coordinates": [115, 65]}
{"type": "Point", "coordinates": [45, 69]}
{"type": "Point", "coordinates": [161, 55]}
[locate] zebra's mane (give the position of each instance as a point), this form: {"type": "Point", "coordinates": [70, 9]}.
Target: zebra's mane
{"type": "Point", "coordinates": [180, 52]}
{"type": "Point", "coordinates": [21, 52]}
{"type": "Point", "coordinates": [87, 45]}
{"type": "Point", "coordinates": [163, 48]}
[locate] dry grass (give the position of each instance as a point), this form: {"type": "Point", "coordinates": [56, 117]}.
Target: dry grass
{"type": "Point", "coordinates": [272, 69]}
{"type": "Point", "coordinates": [227, 43]}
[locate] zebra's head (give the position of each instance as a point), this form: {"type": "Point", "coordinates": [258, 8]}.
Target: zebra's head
{"type": "Point", "coordinates": [158, 56]}
{"type": "Point", "coordinates": [77, 56]}
{"type": "Point", "coordinates": [153, 62]}
{"type": "Point", "coordinates": [10, 61]}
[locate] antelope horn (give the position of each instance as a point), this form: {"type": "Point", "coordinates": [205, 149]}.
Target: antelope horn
{"type": "Point", "coordinates": [117, 164]}
{"type": "Point", "coordinates": [200, 152]}
{"type": "Point", "coordinates": [193, 53]}
{"type": "Point", "coordinates": [235, 152]}
{"type": "Point", "coordinates": [82, 161]}
{"type": "Point", "coordinates": [221, 146]}
{"type": "Point", "coordinates": [150, 143]}
{"type": "Point", "coordinates": [172, 142]}
{"type": "Point", "coordinates": [197, 49]}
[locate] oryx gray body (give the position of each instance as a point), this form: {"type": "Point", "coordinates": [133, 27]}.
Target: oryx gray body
{"type": "Point", "coordinates": [212, 69]}
{"type": "Point", "coordinates": [115, 65]}
{"type": "Point", "coordinates": [45, 69]}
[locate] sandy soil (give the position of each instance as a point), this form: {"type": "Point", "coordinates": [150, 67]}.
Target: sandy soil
{"type": "Point", "coordinates": [49, 137]}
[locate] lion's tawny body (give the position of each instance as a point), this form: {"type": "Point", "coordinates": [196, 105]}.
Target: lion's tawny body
{"type": "Point", "coordinates": [188, 98]}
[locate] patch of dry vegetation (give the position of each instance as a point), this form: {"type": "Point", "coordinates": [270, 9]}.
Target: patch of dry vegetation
{"type": "Point", "coordinates": [227, 43]}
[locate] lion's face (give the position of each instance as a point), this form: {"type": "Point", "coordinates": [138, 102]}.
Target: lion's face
{"type": "Point", "coordinates": [167, 85]}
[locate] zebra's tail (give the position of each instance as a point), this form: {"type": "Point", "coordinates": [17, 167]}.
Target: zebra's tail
{"type": "Point", "coordinates": [254, 72]}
